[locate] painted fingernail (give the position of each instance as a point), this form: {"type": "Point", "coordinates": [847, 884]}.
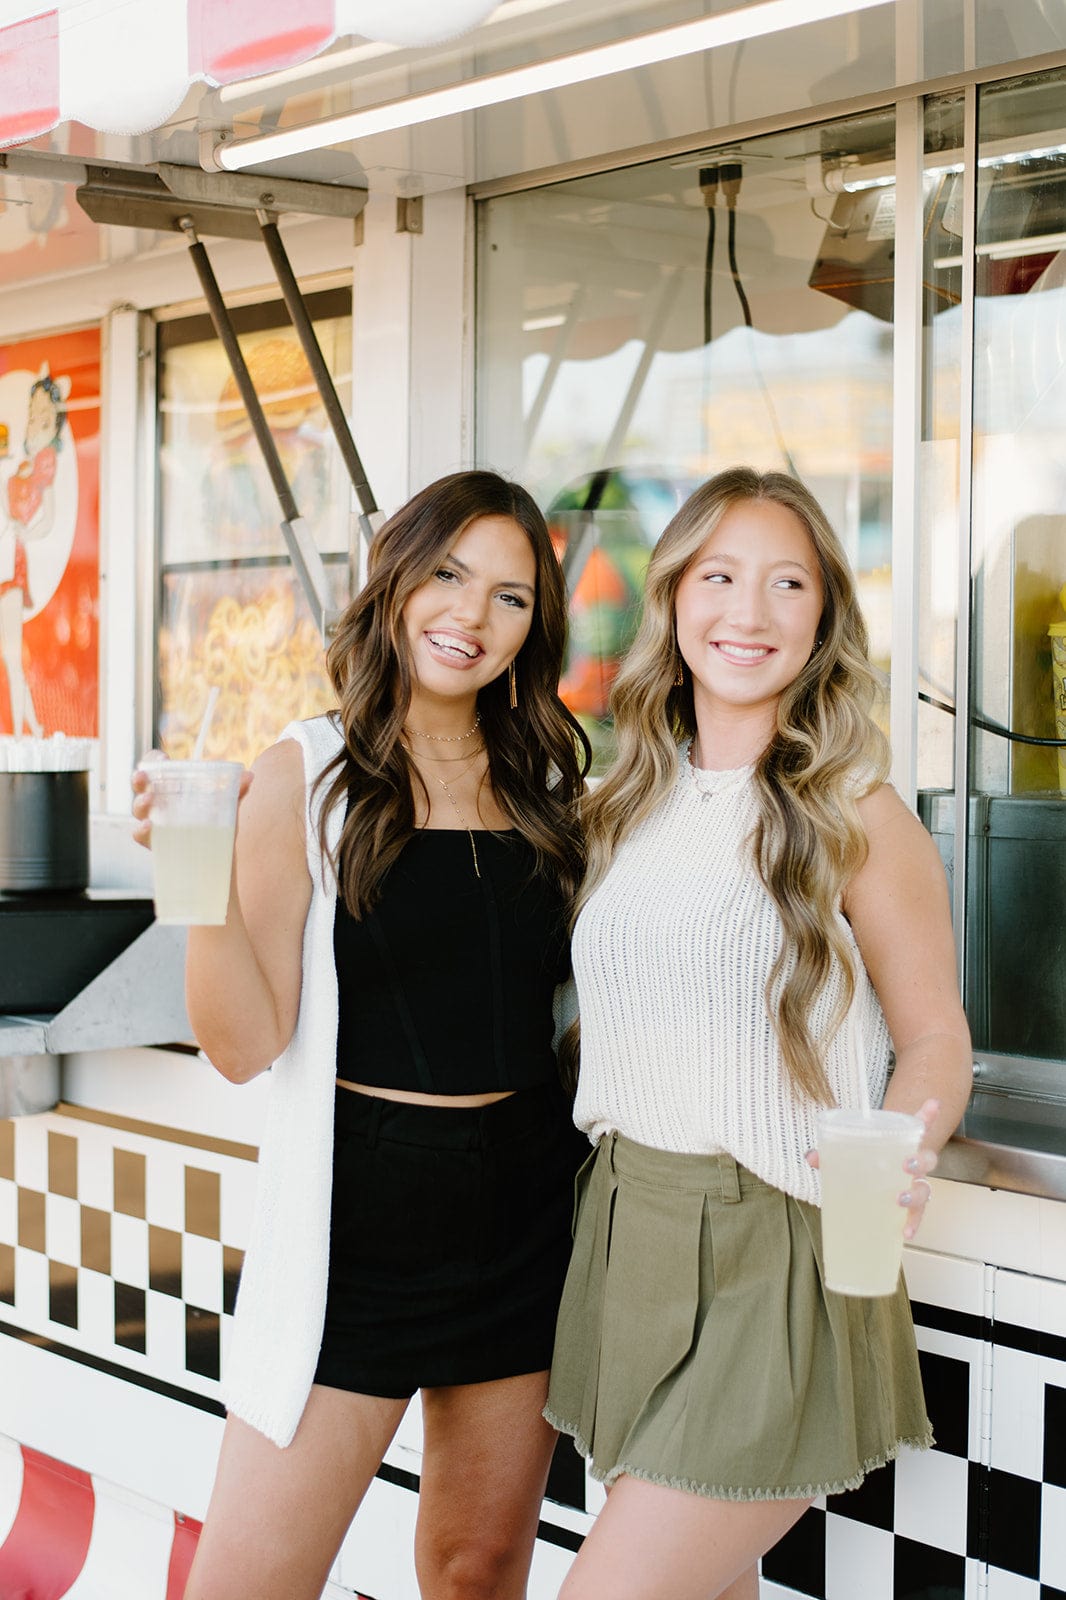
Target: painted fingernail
{"type": "Point", "coordinates": [906, 1198]}
{"type": "Point", "coordinates": [912, 1164]}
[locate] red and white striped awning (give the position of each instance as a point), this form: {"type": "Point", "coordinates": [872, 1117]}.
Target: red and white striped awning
{"type": "Point", "coordinates": [125, 66]}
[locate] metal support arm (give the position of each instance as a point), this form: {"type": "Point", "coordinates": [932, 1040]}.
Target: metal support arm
{"type": "Point", "coordinates": [301, 321]}
{"type": "Point", "coordinates": [302, 549]}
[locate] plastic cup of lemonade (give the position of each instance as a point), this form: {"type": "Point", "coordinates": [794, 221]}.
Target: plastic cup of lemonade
{"type": "Point", "coordinates": [193, 816]}
{"type": "Point", "coordinates": [860, 1158]}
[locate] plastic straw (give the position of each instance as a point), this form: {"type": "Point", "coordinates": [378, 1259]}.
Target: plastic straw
{"type": "Point", "coordinates": [55, 754]}
{"type": "Point", "coordinates": [209, 711]}
{"type": "Point", "coordinates": [864, 1081]}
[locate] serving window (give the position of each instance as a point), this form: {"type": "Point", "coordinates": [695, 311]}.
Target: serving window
{"type": "Point", "coordinates": [231, 613]}
{"type": "Point", "coordinates": [645, 328]}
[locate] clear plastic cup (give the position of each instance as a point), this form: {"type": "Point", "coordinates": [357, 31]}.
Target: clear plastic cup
{"type": "Point", "coordinates": [861, 1159]}
{"type": "Point", "coordinates": [193, 817]}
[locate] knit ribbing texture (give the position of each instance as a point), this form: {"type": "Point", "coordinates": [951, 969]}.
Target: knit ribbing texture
{"type": "Point", "coordinates": [671, 955]}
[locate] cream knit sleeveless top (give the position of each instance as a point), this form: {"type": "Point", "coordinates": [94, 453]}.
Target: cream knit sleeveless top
{"type": "Point", "coordinates": [670, 957]}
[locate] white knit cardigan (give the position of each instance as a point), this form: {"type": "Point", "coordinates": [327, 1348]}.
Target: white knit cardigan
{"type": "Point", "coordinates": [281, 1304]}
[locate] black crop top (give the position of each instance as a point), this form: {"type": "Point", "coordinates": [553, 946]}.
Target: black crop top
{"type": "Point", "coordinates": [446, 986]}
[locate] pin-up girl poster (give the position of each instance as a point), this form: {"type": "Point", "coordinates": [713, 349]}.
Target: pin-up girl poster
{"type": "Point", "coordinates": [49, 563]}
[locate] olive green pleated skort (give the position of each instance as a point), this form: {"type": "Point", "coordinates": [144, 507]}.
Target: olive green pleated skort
{"type": "Point", "coordinates": [698, 1347]}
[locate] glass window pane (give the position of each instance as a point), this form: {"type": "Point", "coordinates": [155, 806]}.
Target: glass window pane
{"type": "Point", "coordinates": [942, 316]}
{"type": "Point", "coordinates": [1017, 869]}
{"type": "Point", "coordinates": [231, 611]}
{"type": "Point", "coordinates": [642, 329]}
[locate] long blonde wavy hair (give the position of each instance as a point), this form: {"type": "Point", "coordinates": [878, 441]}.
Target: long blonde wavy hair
{"type": "Point", "coordinates": [808, 841]}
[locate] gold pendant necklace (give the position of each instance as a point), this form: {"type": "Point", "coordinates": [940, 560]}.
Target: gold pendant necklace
{"type": "Point", "coordinates": [462, 819]}
{"type": "Point", "coordinates": [455, 804]}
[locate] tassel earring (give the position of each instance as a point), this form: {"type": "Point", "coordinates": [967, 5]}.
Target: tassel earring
{"type": "Point", "coordinates": [512, 687]}
{"type": "Point", "coordinates": [679, 675]}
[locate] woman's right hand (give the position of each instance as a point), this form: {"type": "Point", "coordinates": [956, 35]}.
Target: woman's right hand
{"type": "Point", "coordinates": [142, 797]}
{"type": "Point", "coordinates": [142, 800]}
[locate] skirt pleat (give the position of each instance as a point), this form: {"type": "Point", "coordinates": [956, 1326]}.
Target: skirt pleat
{"type": "Point", "coordinates": [698, 1347]}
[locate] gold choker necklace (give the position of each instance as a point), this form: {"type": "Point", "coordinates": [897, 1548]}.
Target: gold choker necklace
{"type": "Point", "coordinates": [447, 738]}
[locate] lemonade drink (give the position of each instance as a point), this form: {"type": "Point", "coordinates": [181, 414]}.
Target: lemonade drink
{"type": "Point", "coordinates": [192, 872]}
{"type": "Point", "coordinates": [193, 816]}
{"type": "Point", "coordinates": [861, 1163]}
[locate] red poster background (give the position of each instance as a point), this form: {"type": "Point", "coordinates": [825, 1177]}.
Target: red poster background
{"type": "Point", "coordinates": [60, 645]}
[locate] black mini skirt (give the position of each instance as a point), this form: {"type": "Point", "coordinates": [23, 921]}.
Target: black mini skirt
{"type": "Point", "coordinates": [449, 1240]}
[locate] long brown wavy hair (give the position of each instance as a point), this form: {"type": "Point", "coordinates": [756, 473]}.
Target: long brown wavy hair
{"type": "Point", "coordinates": [825, 754]}
{"type": "Point", "coordinates": [537, 754]}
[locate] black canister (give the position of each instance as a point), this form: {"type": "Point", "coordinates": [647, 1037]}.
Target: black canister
{"type": "Point", "coordinates": [44, 831]}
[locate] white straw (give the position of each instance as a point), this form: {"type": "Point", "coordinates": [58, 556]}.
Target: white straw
{"type": "Point", "coordinates": [864, 1081]}
{"type": "Point", "coordinates": [209, 711]}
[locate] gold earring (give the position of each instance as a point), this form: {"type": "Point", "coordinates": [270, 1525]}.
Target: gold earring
{"type": "Point", "coordinates": [512, 687]}
{"type": "Point", "coordinates": [679, 675]}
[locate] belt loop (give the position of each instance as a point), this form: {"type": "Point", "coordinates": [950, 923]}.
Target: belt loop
{"type": "Point", "coordinates": [610, 1140]}
{"type": "Point", "coordinates": [373, 1122]}
{"type": "Point", "coordinates": [729, 1178]}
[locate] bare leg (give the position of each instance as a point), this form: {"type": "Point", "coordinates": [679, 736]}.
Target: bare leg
{"type": "Point", "coordinates": [745, 1588]}
{"type": "Point", "coordinates": [650, 1541]}
{"type": "Point", "coordinates": [11, 651]}
{"type": "Point", "coordinates": [485, 1464]}
{"type": "Point", "coordinates": [277, 1517]}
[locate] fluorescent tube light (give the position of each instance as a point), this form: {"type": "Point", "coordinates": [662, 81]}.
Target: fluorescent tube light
{"type": "Point", "coordinates": [250, 91]}
{"type": "Point", "coordinates": [1038, 244]}
{"type": "Point", "coordinates": [853, 175]}
{"type": "Point", "coordinates": [583, 66]}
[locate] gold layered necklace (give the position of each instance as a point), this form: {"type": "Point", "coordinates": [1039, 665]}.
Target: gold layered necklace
{"type": "Point", "coordinates": [447, 738]}
{"type": "Point", "coordinates": [463, 822]}
{"type": "Point", "coordinates": [469, 762]}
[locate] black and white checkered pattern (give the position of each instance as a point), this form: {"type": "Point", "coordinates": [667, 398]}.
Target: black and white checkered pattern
{"type": "Point", "coordinates": [984, 1513]}
{"type": "Point", "coordinates": [123, 1247]}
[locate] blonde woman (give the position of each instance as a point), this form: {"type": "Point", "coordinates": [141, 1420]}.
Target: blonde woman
{"type": "Point", "coordinates": [761, 919]}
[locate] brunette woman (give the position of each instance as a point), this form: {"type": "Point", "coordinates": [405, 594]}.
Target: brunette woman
{"type": "Point", "coordinates": [761, 918]}
{"type": "Point", "coordinates": [395, 934]}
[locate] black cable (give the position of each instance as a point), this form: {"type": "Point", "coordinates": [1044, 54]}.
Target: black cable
{"type": "Point", "coordinates": [709, 191]}
{"type": "Point", "coordinates": [730, 175]}
{"type": "Point", "coordinates": [997, 728]}
{"type": "Point", "coordinates": [708, 276]}
{"type": "Point", "coordinates": [741, 296]}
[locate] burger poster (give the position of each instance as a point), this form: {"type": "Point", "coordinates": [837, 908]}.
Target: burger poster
{"type": "Point", "coordinates": [49, 535]}
{"type": "Point", "coordinates": [232, 613]}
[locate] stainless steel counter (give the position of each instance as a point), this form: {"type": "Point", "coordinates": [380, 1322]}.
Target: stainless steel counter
{"type": "Point", "coordinates": [1009, 1141]}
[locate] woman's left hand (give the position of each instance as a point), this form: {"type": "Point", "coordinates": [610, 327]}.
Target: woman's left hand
{"type": "Point", "coordinates": [918, 1167]}
{"type": "Point", "coordinates": [917, 1196]}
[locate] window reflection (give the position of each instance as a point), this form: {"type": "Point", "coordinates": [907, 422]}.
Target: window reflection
{"type": "Point", "coordinates": [1017, 849]}
{"type": "Point", "coordinates": [232, 614]}
{"type": "Point", "coordinates": [643, 329]}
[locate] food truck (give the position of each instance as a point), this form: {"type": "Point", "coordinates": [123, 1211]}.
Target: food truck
{"type": "Point", "coordinates": [260, 279]}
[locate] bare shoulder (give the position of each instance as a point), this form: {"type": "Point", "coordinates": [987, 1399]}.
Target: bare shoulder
{"type": "Point", "coordinates": [278, 781]}
{"type": "Point", "coordinates": [273, 810]}
{"type": "Point", "coordinates": [882, 805]}
{"type": "Point", "coordinates": [901, 853]}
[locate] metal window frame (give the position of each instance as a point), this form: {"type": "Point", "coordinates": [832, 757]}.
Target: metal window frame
{"type": "Point", "coordinates": [1011, 1075]}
